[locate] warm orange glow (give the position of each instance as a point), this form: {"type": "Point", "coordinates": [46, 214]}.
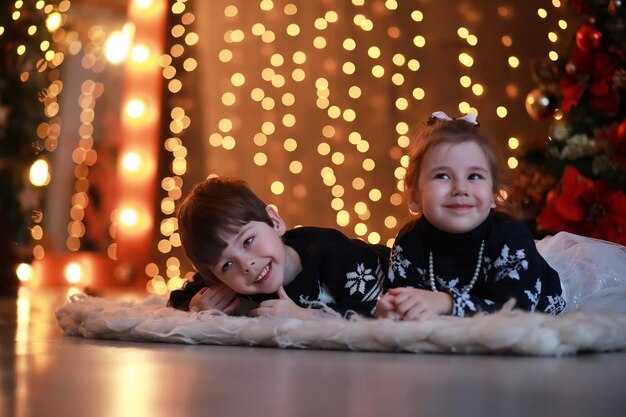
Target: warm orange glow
{"type": "Point", "coordinates": [53, 22]}
{"type": "Point", "coordinates": [139, 146]}
{"type": "Point", "coordinates": [39, 174]}
{"type": "Point", "coordinates": [24, 272]}
{"type": "Point", "coordinates": [135, 108]}
{"type": "Point", "coordinates": [143, 4]}
{"type": "Point", "coordinates": [294, 46]}
{"type": "Point", "coordinates": [134, 219]}
{"type": "Point", "coordinates": [61, 269]}
{"type": "Point", "coordinates": [73, 273]}
{"type": "Point", "coordinates": [128, 217]}
{"type": "Point", "coordinates": [131, 162]}
{"type": "Point", "coordinates": [140, 54]}
{"type": "Point", "coordinates": [116, 47]}
{"type": "Point", "coordinates": [147, 11]}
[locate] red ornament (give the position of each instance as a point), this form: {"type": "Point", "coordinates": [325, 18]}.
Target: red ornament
{"type": "Point", "coordinates": [621, 131]}
{"type": "Point", "coordinates": [588, 38]}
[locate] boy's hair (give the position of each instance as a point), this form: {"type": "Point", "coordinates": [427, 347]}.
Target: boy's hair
{"type": "Point", "coordinates": [214, 209]}
{"type": "Point", "coordinates": [437, 131]}
{"type": "Point", "coordinates": [180, 299]}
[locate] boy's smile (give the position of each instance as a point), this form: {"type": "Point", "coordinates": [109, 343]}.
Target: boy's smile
{"type": "Point", "coordinates": [256, 260]}
{"type": "Point", "coordinates": [264, 275]}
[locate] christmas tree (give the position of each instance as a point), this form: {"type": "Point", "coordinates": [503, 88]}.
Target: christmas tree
{"type": "Point", "coordinates": [577, 179]}
{"type": "Point", "coordinates": [23, 79]}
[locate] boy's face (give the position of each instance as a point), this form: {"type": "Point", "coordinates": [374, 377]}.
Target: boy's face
{"type": "Point", "coordinates": [455, 187]}
{"type": "Point", "coordinates": [255, 260]}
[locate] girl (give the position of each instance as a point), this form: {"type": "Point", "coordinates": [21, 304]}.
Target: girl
{"type": "Point", "coordinates": [459, 257]}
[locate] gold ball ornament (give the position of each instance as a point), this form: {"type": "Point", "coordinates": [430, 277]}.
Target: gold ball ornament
{"type": "Point", "coordinates": [614, 6]}
{"type": "Point", "coordinates": [540, 104]}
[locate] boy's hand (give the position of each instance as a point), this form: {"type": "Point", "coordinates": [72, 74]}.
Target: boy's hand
{"type": "Point", "coordinates": [218, 297]}
{"type": "Point", "coordinates": [414, 303]}
{"type": "Point", "coordinates": [283, 307]}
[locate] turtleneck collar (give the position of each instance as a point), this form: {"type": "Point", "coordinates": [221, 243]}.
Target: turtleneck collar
{"type": "Point", "coordinates": [454, 242]}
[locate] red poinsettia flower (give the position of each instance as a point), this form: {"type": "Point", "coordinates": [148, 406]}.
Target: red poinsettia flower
{"type": "Point", "coordinates": [594, 73]}
{"type": "Point", "coordinates": [586, 207]}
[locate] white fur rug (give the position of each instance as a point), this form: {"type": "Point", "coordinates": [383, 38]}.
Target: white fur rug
{"type": "Point", "coordinates": [507, 332]}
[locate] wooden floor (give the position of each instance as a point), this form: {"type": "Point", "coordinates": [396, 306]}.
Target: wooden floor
{"type": "Point", "coordinates": [47, 374]}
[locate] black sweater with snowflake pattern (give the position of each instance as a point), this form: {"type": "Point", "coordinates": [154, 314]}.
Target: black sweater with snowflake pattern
{"type": "Point", "coordinates": [338, 272]}
{"type": "Point", "coordinates": [345, 274]}
{"type": "Point", "coordinates": [512, 267]}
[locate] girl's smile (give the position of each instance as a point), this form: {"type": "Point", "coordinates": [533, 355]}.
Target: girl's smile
{"type": "Point", "coordinates": [455, 187]}
{"type": "Point", "coordinates": [459, 206]}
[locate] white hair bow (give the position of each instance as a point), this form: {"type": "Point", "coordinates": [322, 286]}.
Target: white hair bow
{"type": "Point", "coordinates": [469, 117]}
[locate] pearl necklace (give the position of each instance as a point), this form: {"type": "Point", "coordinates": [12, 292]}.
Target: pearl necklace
{"type": "Point", "coordinates": [431, 269]}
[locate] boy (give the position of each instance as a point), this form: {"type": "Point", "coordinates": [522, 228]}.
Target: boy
{"type": "Point", "coordinates": [235, 239]}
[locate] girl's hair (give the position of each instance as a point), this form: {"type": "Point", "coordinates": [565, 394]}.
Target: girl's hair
{"type": "Point", "coordinates": [437, 131]}
{"type": "Point", "coordinates": [214, 209]}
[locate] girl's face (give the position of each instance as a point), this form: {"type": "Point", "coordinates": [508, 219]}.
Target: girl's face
{"type": "Point", "coordinates": [256, 260]}
{"type": "Point", "coordinates": [455, 187]}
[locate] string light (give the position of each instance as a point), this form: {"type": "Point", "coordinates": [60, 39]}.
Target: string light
{"type": "Point", "coordinates": [335, 164]}
{"type": "Point", "coordinates": [24, 272]}
{"type": "Point", "coordinates": [53, 22]}
{"type": "Point", "coordinates": [355, 174]}
{"type": "Point", "coordinates": [143, 4]}
{"type": "Point", "coordinates": [39, 174]}
{"type": "Point", "coordinates": [48, 130]}
{"type": "Point", "coordinates": [131, 162]}
{"type": "Point", "coordinates": [135, 108]}
{"type": "Point", "coordinates": [128, 217]}
{"type": "Point", "coordinates": [73, 273]}
{"type": "Point", "coordinates": [140, 54]}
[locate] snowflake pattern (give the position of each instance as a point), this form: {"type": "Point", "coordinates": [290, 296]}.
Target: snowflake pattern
{"type": "Point", "coordinates": [357, 279]}
{"type": "Point", "coordinates": [377, 289]}
{"type": "Point", "coordinates": [511, 269]}
{"type": "Point", "coordinates": [326, 295]}
{"type": "Point", "coordinates": [510, 265]}
{"type": "Point", "coordinates": [534, 296]}
{"type": "Point", "coordinates": [398, 263]}
{"type": "Point", "coordinates": [487, 265]}
{"type": "Point", "coordinates": [306, 301]}
{"type": "Point", "coordinates": [462, 300]}
{"type": "Point", "coordinates": [462, 303]}
{"type": "Point", "coordinates": [556, 304]}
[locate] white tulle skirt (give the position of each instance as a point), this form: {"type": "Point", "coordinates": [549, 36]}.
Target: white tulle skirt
{"type": "Point", "coordinates": [592, 271]}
